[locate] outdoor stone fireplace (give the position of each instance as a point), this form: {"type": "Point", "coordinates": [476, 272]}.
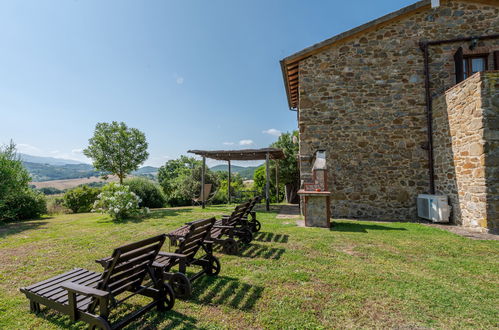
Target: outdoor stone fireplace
{"type": "Point", "coordinates": [315, 195]}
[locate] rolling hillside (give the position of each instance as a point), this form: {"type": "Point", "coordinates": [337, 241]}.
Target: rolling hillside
{"type": "Point", "coordinates": [44, 169]}
{"type": "Point", "coordinates": [245, 172]}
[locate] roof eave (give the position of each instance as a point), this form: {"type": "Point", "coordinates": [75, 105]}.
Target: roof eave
{"type": "Point", "coordinates": [284, 71]}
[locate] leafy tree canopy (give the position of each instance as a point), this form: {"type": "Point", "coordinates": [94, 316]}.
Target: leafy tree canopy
{"type": "Point", "coordinates": [181, 180]}
{"type": "Point", "coordinates": [289, 172]}
{"type": "Point", "coordinates": [117, 149]}
{"type": "Point", "coordinates": [13, 176]}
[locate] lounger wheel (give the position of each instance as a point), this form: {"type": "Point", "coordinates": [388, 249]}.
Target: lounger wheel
{"type": "Point", "coordinates": [256, 226]}
{"type": "Point", "coordinates": [181, 285]}
{"type": "Point", "coordinates": [245, 235]}
{"type": "Point", "coordinates": [169, 298]}
{"type": "Point", "coordinates": [230, 246]}
{"type": "Point", "coordinates": [213, 267]}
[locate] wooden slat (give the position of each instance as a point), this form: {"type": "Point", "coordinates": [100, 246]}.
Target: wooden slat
{"type": "Point", "coordinates": [142, 261]}
{"type": "Point", "coordinates": [191, 250]}
{"type": "Point", "coordinates": [127, 280]}
{"type": "Point", "coordinates": [125, 274]}
{"type": "Point", "coordinates": [129, 247]}
{"type": "Point", "coordinates": [54, 293]}
{"type": "Point", "coordinates": [125, 287]}
{"type": "Point", "coordinates": [45, 290]}
{"type": "Point", "coordinates": [33, 286]}
{"type": "Point", "coordinates": [91, 282]}
{"type": "Point", "coordinates": [137, 252]}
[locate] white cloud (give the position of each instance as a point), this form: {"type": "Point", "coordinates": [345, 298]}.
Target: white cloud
{"type": "Point", "coordinates": [228, 143]}
{"type": "Point", "coordinates": [179, 80]}
{"type": "Point", "coordinates": [272, 131]}
{"type": "Point", "coordinates": [246, 142]}
{"type": "Point", "coordinates": [77, 151]}
{"type": "Point", "coordinates": [28, 148]}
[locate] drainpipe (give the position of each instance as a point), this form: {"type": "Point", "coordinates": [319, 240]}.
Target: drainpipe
{"type": "Point", "coordinates": [429, 116]}
{"type": "Point", "coordinates": [425, 45]}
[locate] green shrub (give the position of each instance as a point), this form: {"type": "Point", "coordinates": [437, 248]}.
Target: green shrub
{"type": "Point", "coordinates": [25, 204]}
{"type": "Point", "coordinates": [80, 199]}
{"type": "Point", "coordinates": [118, 201]}
{"type": "Point", "coordinates": [148, 191]}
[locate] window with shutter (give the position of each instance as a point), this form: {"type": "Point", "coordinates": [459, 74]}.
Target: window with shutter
{"type": "Point", "coordinates": [496, 60]}
{"type": "Point", "coordinates": [459, 63]}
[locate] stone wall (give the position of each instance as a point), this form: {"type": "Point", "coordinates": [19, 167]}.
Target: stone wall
{"type": "Point", "coordinates": [490, 105]}
{"type": "Point", "coordinates": [466, 150]}
{"type": "Point", "coordinates": [363, 101]}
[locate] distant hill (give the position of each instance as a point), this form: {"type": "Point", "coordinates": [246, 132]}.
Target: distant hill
{"type": "Point", "coordinates": [47, 160]}
{"type": "Point", "coordinates": [245, 172]}
{"type": "Point", "coordinates": [48, 172]}
{"type": "Point", "coordinates": [49, 169]}
{"type": "Point", "coordinates": [147, 170]}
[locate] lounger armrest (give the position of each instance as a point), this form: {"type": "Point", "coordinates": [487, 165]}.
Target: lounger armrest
{"type": "Point", "coordinates": [157, 265]}
{"type": "Point", "coordinates": [84, 290]}
{"type": "Point", "coordinates": [172, 255]}
{"type": "Point", "coordinates": [104, 261]}
{"type": "Point", "coordinates": [223, 227]}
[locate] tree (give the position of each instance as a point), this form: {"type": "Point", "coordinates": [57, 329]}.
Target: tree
{"type": "Point", "coordinates": [117, 149]}
{"type": "Point", "coordinates": [181, 180]}
{"type": "Point", "coordinates": [289, 173]}
{"type": "Point", "coordinates": [13, 176]}
{"type": "Point", "coordinates": [17, 200]}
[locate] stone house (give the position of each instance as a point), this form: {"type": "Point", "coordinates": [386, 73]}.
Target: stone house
{"type": "Point", "coordinates": [404, 105]}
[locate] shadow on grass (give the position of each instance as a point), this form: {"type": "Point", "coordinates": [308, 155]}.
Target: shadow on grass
{"type": "Point", "coordinates": [153, 319]}
{"type": "Point", "coordinates": [270, 237]}
{"type": "Point", "coordinates": [226, 291]}
{"type": "Point", "coordinates": [11, 228]}
{"type": "Point", "coordinates": [359, 227]}
{"type": "Point", "coordinates": [255, 251]}
{"type": "Point", "coordinates": [261, 251]}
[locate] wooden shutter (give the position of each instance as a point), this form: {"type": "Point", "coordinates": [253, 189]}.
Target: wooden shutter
{"type": "Point", "coordinates": [458, 60]}
{"type": "Point", "coordinates": [496, 60]}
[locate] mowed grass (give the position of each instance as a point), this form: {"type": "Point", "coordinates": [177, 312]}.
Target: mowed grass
{"type": "Point", "coordinates": [356, 275]}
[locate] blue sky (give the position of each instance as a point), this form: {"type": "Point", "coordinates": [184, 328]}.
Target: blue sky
{"type": "Point", "coordinates": [191, 74]}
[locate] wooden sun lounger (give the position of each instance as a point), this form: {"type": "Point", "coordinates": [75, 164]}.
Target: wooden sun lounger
{"type": "Point", "coordinates": [90, 297]}
{"type": "Point", "coordinates": [190, 239]}
{"type": "Point", "coordinates": [248, 219]}
{"type": "Point", "coordinates": [228, 229]}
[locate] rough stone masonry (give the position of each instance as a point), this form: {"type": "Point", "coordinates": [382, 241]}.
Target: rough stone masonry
{"type": "Point", "coordinates": [362, 99]}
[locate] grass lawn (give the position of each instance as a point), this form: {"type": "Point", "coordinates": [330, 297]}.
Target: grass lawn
{"type": "Point", "coordinates": [358, 274]}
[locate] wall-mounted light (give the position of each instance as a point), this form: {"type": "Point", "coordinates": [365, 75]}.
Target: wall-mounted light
{"type": "Point", "coordinates": [474, 43]}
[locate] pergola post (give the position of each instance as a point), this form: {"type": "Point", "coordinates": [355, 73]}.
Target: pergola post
{"type": "Point", "coordinates": [228, 184]}
{"type": "Point", "coordinates": [202, 182]}
{"type": "Point", "coordinates": [267, 183]}
{"type": "Point", "coordinates": [277, 180]}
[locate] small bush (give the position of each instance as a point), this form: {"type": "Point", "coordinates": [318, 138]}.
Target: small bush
{"type": "Point", "coordinates": [80, 199]}
{"type": "Point", "coordinates": [25, 204]}
{"type": "Point", "coordinates": [117, 201]}
{"type": "Point", "coordinates": [149, 192]}
{"type": "Point", "coordinates": [50, 191]}
{"type": "Point", "coordinates": [55, 205]}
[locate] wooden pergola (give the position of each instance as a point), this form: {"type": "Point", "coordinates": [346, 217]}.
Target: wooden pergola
{"type": "Point", "coordinates": [244, 154]}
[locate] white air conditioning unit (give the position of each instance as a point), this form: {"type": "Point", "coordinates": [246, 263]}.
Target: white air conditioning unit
{"type": "Point", "coordinates": [433, 207]}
